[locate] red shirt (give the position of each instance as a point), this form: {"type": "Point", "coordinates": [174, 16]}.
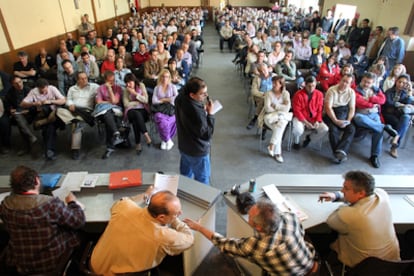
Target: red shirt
{"type": "Point", "coordinates": [140, 59]}
{"type": "Point", "coordinates": [107, 66]}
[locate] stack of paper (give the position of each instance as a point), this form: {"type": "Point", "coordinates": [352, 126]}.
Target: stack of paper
{"type": "Point", "coordinates": [282, 203]}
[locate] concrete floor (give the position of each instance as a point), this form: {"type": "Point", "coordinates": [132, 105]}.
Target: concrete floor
{"type": "Point", "coordinates": [235, 154]}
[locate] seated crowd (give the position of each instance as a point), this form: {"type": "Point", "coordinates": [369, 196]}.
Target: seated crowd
{"type": "Point", "coordinates": [342, 79]}
{"type": "Point", "coordinates": [136, 68]}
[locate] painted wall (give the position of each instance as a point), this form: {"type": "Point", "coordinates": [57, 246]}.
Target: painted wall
{"type": "Point", "coordinates": [32, 23]}
{"type": "Point", "coordinates": [174, 3]}
{"type": "Point", "coordinates": [4, 46]}
{"type": "Point", "coordinates": [246, 3]}
{"type": "Point", "coordinates": [71, 15]}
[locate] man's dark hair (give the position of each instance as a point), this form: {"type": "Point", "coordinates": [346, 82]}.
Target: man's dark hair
{"type": "Point", "coordinates": [130, 77]}
{"type": "Point", "coordinates": [380, 28]}
{"type": "Point", "coordinates": [366, 20]}
{"type": "Point", "coordinates": [369, 75]}
{"type": "Point", "coordinates": [361, 181]}
{"type": "Point", "coordinates": [310, 79]}
{"type": "Point", "coordinates": [394, 30]}
{"type": "Point", "coordinates": [84, 54]}
{"type": "Point", "coordinates": [108, 73]}
{"type": "Point", "coordinates": [159, 206]}
{"type": "Point", "coordinates": [152, 51]}
{"type": "Point", "coordinates": [268, 217]}
{"type": "Point", "coordinates": [41, 83]}
{"type": "Point", "coordinates": [193, 85]}
{"type": "Point", "coordinates": [65, 61]}
{"type": "Point", "coordinates": [23, 179]}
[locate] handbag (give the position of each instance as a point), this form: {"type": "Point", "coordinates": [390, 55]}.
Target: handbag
{"type": "Point", "coordinates": [164, 108]}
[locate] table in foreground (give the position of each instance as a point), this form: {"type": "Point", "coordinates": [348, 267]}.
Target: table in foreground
{"type": "Point", "coordinates": [303, 190]}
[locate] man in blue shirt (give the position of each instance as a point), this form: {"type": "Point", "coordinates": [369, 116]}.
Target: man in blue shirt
{"type": "Point", "coordinates": [393, 47]}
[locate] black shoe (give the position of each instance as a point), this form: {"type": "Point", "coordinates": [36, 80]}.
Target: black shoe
{"type": "Point", "coordinates": [375, 161]}
{"type": "Point", "coordinates": [251, 123]}
{"type": "Point", "coordinates": [263, 135]}
{"type": "Point", "coordinates": [75, 154]}
{"type": "Point", "coordinates": [307, 141]}
{"type": "Point", "coordinates": [392, 132]}
{"type": "Point", "coordinates": [50, 155]}
{"type": "Point", "coordinates": [138, 149]}
{"type": "Point", "coordinates": [296, 146]}
{"type": "Point", "coordinates": [107, 154]}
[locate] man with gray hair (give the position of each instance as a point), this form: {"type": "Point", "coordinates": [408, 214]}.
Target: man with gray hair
{"type": "Point", "coordinates": [364, 224]}
{"type": "Point", "coordinates": [278, 245]}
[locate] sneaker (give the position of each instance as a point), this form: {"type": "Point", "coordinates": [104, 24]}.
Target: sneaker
{"type": "Point", "coordinates": [163, 145]}
{"type": "Point", "coordinates": [306, 141]}
{"type": "Point", "coordinates": [107, 153]}
{"type": "Point", "coordinates": [279, 158]}
{"type": "Point", "coordinates": [50, 155]}
{"type": "Point", "coordinates": [341, 156]}
{"type": "Point", "coordinates": [170, 145]}
{"type": "Point", "coordinates": [75, 154]}
{"type": "Point", "coordinates": [251, 123]}
{"type": "Point", "coordinates": [116, 139]}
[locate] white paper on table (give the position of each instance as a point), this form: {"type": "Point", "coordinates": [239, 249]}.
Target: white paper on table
{"type": "Point", "coordinates": [74, 180]}
{"type": "Point", "coordinates": [90, 181]}
{"type": "Point", "coordinates": [166, 182]}
{"type": "Point", "coordinates": [216, 107]}
{"type": "Point", "coordinates": [3, 195]}
{"type": "Point", "coordinates": [62, 192]}
{"type": "Point", "coordinates": [282, 203]}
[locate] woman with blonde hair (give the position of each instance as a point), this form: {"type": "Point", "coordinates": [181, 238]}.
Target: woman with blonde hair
{"type": "Point", "coordinates": [277, 115]}
{"type": "Point", "coordinates": [397, 70]}
{"type": "Point", "coordinates": [163, 108]}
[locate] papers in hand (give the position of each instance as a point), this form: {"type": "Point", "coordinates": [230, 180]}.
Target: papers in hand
{"type": "Point", "coordinates": [282, 203]}
{"type": "Point", "coordinates": [216, 107]}
{"type": "Point", "coordinates": [62, 192]}
{"type": "Point", "coordinates": [164, 182]}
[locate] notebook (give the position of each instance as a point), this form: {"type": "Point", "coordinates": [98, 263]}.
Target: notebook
{"type": "Point", "coordinates": [123, 179]}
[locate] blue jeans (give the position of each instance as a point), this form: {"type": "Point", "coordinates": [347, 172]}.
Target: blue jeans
{"type": "Point", "coordinates": [196, 166]}
{"type": "Point", "coordinates": [373, 123]}
{"type": "Point", "coordinates": [401, 123]}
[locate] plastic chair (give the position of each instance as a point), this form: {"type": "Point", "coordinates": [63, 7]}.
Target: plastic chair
{"type": "Point", "coordinates": [373, 266]}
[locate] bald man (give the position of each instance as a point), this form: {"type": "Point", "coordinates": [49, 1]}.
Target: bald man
{"type": "Point", "coordinates": [137, 239]}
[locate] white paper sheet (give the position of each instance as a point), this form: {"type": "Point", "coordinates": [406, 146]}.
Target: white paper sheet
{"type": "Point", "coordinates": [74, 180]}
{"type": "Point", "coordinates": [166, 182]}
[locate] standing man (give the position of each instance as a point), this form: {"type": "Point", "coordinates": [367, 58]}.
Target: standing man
{"type": "Point", "coordinates": [195, 126]}
{"type": "Point", "coordinates": [307, 105]}
{"type": "Point", "coordinates": [278, 245]}
{"type": "Point", "coordinates": [364, 224]}
{"type": "Point", "coordinates": [340, 110]}
{"type": "Point", "coordinates": [45, 98]}
{"type": "Point", "coordinates": [393, 47]}
{"type": "Point", "coordinates": [137, 239]}
{"type": "Point", "coordinates": [42, 228]}
{"type": "Point", "coordinates": [369, 100]}
{"type": "Point", "coordinates": [80, 103]}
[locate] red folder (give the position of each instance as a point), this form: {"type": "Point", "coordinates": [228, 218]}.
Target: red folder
{"type": "Point", "coordinates": [123, 179]}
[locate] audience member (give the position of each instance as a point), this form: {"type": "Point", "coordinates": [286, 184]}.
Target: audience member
{"type": "Point", "coordinates": [109, 62]}
{"type": "Point", "coordinates": [152, 68]}
{"type": "Point", "coordinates": [89, 67]}
{"type": "Point", "coordinates": [163, 107]}
{"type": "Point", "coordinates": [4, 83]}
{"type": "Point", "coordinates": [397, 109]}
{"type": "Point", "coordinates": [307, 105]}
{"type": "Point", "coordinates": [360, 62]}
{"type": "Point", "coordinates": [5, 129]}
{"type": "Point", "coordinates": [393, 47]}
{"type": "Point", "coordinates": [23, 117]}
{"type": "Point", "coordinates": [368, 105]}
{"type": "Point", "coordinates": [108, 109]}
{"type": "Point", "coordinates": [120, 72]}
{"type": "Point", "coordinates": [85, 27]}
{"type": "Point", "coordinates": [397, 70]}
{"type": "Point", "coordinates": [327, 73]}
{"type": "Point", "coordinates": [45, 98]}
{"type": "Point", "coordinates": [25, 69]}
{"type": "Point", "coordinates": [42, 223]}
{"type": "Point", "coordinates": [226, 34]}
{"type": "Point", "coordinates": [276, 115]}
{"type": "Point", "coordinates": [374, 43]}
{"type": "Point", "coordinates": [135, 100]}
{"type": "Point", "coordinates": [78, 48]}
{"type": "Point", "coordinates": [99, 51]}
{"type": "Point", "coordinates": [45, 64]}
{"type": "Point", "coordinates": [80, 103]}
{"type": "Point", "coordinates": [339, 112]}
{"type": "Point", "coordinates": [68, 76]}
{"type": "Point", "coordinates": [287, 67]}
{"type": "Point", "coordinates": [364, 224]}
{"type": "Point", "coordinates": [280, 237]}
